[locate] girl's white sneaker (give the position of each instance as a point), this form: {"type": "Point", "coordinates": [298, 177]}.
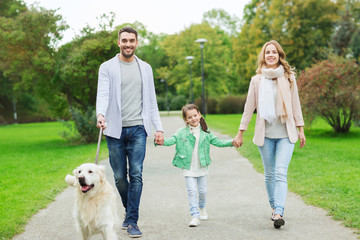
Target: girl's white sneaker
{"type": "Point", "coordinates": [194, 222]}
{"type": "Point", "coordinates": [203, 214]}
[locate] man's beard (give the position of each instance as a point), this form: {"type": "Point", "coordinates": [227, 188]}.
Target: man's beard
{"type": "Point", "coordinates": [127, 55]}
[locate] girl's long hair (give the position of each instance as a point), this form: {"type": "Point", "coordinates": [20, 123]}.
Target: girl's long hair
{"type": "Point", "coordinates": [191, 106]}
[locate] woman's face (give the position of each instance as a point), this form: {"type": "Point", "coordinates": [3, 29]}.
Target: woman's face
{"type": "Point", "coordinates": [271, 56]}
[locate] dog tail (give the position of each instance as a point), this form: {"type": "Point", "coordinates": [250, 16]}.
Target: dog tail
{"type": "Point", "coordinates": [70, 180]}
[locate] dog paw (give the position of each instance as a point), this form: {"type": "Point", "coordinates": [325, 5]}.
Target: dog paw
{"type": "Point", "coordinates": [70, 180]}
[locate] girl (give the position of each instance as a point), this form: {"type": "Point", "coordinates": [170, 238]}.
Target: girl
{"type": "Point", "coordinates": [273, 92]}
{"type": "Point", "coordinates": [192, 155]}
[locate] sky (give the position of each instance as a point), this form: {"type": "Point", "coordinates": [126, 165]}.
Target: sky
{"type": "Point", "coordinates": [158, 16]}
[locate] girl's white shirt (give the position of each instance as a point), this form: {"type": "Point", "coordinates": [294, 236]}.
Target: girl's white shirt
{"type": "Point", "coordinates": [196, 170]}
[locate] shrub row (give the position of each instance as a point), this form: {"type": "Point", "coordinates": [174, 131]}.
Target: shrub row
{"type": "Point", "coordinates": [226, 105]}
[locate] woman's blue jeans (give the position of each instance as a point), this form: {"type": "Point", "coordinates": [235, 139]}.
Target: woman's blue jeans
{"type": "Point", "coordinates": [276, 154]}
{"type": "Point", "coordinates": [126, 158]}
{"type": "Point", "coordinates": [196, 186]}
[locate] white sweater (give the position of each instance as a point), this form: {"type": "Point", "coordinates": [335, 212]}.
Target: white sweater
{"type": "Point", "coordinates": [108, 99]}
{"type": "Point", "coordinates": [196, 170]}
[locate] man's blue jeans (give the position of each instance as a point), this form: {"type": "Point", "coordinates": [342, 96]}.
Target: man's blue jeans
{"type": "Point", "coordinates": [126, 157]}
{"type": "Point", "coordinates": [276, 154]}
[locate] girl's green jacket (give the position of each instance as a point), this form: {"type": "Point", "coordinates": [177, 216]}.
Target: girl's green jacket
{"type": "Point", "coordinates": [185, 143]}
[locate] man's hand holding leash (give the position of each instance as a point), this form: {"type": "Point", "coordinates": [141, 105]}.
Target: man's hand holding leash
{"type": "Point", "coordinates": [101, 122]}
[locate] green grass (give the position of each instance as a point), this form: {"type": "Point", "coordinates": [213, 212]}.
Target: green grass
{"type": "Point", "coordinates": [325, 173]}
{"type": "Point", "coordinates": [34, 163]}
{"type": "Point", "coordinates": [35, 160]}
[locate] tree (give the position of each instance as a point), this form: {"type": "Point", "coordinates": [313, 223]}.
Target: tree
{"type": "Point", "coordinates": [150, 50]}
{"type": "Point", "coordinates": [218, 67]}
{"type": "Point", "coordinates": [250, 11]}
{"type": "Point", "coordinates": [340, 41]}
{"type": "Point", "coordinates": [6, 103]}
{"type": "Point", "coordinates": [302, 27]}
{"type": "Point", "coordinates": [223, 20]}
{"type": "Point", "coordinates": [354, 7]}
{"type": "Point", "coordinates": [355, 45]}
{"type": "Point", "coordinates": [11, 8]}
{"type": "Point", "coordinates": [331, 89]}
{"type": "Point", "coordinates": [27, 47]}
{"type": "Point", "coordinates": [28, 37]}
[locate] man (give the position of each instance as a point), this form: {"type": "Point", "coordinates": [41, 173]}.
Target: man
{"type": "Point", "coordinates": [126, 102]}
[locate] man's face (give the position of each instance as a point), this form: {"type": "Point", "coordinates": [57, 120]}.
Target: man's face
{"type": "Point", "coordinates": [127, 44]}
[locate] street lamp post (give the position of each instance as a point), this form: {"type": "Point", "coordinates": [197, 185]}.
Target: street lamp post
{"type": "Point", "coordinates": [15, 113]}
{"type": "Point", "coordinates": [202, 41]}
{"type": "Point", "coordinates": [190, 58]}
{"type": "Point", "coordinates": [166, 94]}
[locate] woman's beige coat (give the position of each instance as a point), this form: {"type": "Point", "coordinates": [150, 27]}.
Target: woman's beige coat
{"type": "Point", "coordinates": [294, 119]}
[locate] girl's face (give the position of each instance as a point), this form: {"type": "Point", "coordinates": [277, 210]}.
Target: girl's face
{"type": "Point", "coordinates": [271, 56]}
{"type": "Point", "coordinates": [193, 117]}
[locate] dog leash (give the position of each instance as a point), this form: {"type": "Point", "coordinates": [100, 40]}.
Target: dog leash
{"type": "Point", "coordinates": [98, 146]}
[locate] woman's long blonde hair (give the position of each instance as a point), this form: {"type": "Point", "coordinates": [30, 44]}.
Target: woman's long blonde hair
{"type": "Point", "coordinates": [282, 59]}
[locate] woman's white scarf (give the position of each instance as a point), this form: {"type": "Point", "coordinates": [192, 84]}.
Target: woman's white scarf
{"type": "Point", "coordinates": [268, 109]}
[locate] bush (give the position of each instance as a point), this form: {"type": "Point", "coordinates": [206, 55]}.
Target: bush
{"type": "Point", "coordinates": [231, 104]}
{"type": "Point", "coordinates": [331, 90]}
{"type": "Point", "coordinates": [198, 103]}
{"type": "Point", "coordinates": [85, 125]}
{"type": "Point", "coordinates": [177, 102]}
{"type": "Point", "coordinates": [29, 108]}
{"type": "Point", "coordinates": [211, 105]}
{"type": "Point", "coordinates": [161, 101]}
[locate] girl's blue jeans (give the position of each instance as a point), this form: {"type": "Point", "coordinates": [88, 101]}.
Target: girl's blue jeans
{"type": "Point", "coordinates": [126, 159]}
{"type": "Point", "coordinates": [197, 190]}
{"type": "Point", "coordinates": [276, 154]}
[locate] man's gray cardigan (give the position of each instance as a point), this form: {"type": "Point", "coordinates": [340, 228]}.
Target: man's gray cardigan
{"type": "Point", "coordinates": [108, 99]}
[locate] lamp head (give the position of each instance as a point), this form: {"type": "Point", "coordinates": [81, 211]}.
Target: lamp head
{"type": "Point", "coordinates": [189, 58]}
{"type": "Point", "coordinates": [201, 41]}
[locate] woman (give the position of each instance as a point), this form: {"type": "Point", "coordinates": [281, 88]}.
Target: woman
{"type": "Point", "coordinates": [273, 93]}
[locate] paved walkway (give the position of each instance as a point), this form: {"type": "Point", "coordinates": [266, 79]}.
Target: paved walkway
{"type": "Point", "coordinates": [237, 204]}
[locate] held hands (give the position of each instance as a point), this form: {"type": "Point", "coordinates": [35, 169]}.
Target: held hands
{"type": "Point", "coordinates": [238, 140]}
{"type": "Point", "coordinates": [159, 138]}
{"type": "Point", "coordinates": [101, 122]}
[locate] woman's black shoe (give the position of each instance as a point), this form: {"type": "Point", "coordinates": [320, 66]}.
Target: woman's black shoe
{"type": "Point", "coordinates": [278, 222]}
